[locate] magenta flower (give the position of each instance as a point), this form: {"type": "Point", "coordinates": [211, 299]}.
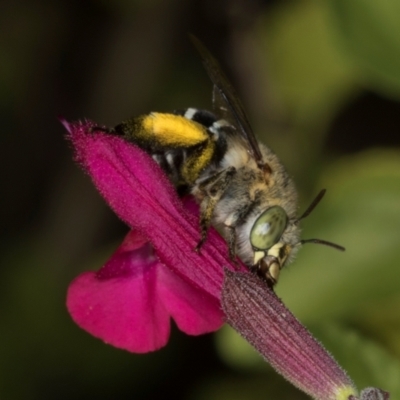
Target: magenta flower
{"type": "Point", "coordinates": [156, 275]}
{"type": "Point", "coordinates": [130, 300]}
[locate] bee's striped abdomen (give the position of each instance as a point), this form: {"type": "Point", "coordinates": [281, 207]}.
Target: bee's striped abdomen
{"type": "Point", "coordinates": [184, 143]}
{"type": "Point", "coordinates": [217, 128]}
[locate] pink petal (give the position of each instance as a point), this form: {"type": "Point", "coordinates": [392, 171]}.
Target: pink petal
{"type": "Point", "coordinates": [194, 311]}
{"type": "Point", "coordinates": [122, 312]}
{"type": "Point", "coordinates": [120, 303]}
{"type": "Point", "coordinates": [129, 302]}
{"type": "Point", "coordinates": [141, 195]}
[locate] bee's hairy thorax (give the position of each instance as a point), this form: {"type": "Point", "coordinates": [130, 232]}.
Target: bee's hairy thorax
{"type": "Point", "coordinates": [248, 193]}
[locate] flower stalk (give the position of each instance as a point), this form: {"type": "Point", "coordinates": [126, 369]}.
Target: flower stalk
{"type": "Point", "coordinates": [255, 311]}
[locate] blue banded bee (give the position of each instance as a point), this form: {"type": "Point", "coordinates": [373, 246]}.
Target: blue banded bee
{"type": "Point", "coordinates": [241, 186]}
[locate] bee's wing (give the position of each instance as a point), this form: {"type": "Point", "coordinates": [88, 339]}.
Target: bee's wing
{"type": "Point", "coordinates": [226, 99]}
{"type": "Point", "coordinates": [220, 107]}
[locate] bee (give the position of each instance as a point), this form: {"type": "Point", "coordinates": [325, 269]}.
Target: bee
{"type": "Point", "coordinates": [241, 186]}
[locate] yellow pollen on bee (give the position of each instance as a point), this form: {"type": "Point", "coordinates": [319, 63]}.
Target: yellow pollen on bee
{"type": "Point", "coordinates": [174, 130]}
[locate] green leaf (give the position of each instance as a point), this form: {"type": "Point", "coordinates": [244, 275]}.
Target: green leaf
{"type": "Point", "coordinates": [370, 32]}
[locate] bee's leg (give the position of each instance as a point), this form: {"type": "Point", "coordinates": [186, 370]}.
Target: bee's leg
{"type": "Point", "coordinates": [212, 189]}
{"type": "Point", "coordinates": [206, 211]}
{"type": "Point", "coordinates": [232, 242]}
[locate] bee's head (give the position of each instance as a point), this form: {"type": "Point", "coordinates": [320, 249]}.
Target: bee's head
{"type": "Point", "coordinates": [270, 253]}
{"type": "Point", "coordinates": [274, 238]}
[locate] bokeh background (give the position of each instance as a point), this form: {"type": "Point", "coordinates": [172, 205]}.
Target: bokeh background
{"type": "Point", "coordinates": [321, 82]}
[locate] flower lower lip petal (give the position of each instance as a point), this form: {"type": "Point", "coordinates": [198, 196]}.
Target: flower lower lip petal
{"type": "Point", "coordinates": [129, 302]}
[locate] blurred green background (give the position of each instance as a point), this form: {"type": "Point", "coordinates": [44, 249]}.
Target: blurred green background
{"type": "Point", "coordinates": [321, 81]}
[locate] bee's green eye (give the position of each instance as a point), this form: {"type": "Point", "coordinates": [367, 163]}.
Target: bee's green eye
{"type": "Point", "coordinates": [268, 228]}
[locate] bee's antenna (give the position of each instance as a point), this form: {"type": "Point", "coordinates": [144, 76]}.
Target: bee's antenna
{"type": "Point", "coordinates": [313, 204]}
{"type": "Point", "coordinates": [326, 243]}
{"type": "Point", "coordinates": [306, 213]}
